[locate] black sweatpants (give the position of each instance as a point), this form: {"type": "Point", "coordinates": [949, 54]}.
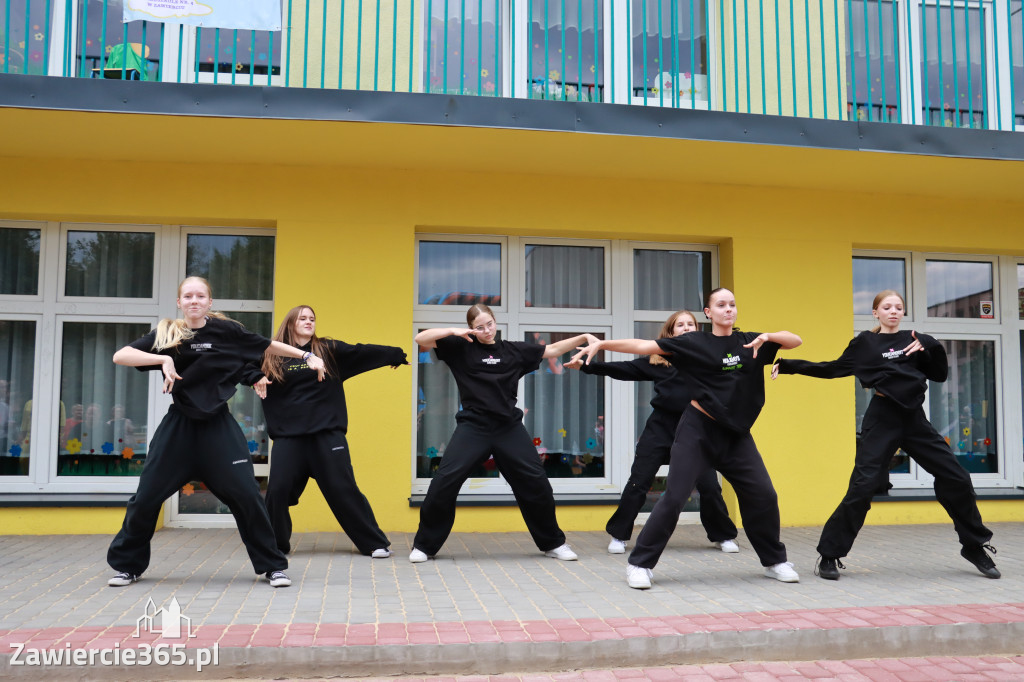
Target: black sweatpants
{"type": "Point", "coordinates": [888, 426]}
{"type": "Point", "coordinates": [212, 451]}
{"type": "Point", "coordinates": [701, 444]}
{"type": "Point", "coordinates": [517, 460]}
{"type": "Point", "coordinates": [652, 450]}
{"type": "Point", "coordinates": [324, 457]}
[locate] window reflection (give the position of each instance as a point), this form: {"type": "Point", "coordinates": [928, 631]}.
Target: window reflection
{"type": "Point", "coordinates": [958, 288]}
{"type": "Point", "coordinates": [564, 414]}
{"type": "Point", "coordinates": [872, 275]}
{"type": "Point", "coordinates": [17, 362]}
{"type": "Point", "coordinates": [103, 429]}
{"type": "Point", "coordinates": [459, 273]}
{"type": "Point", "coordinates": [110, 264]}
{"type": "Point", "coordinates": [19, 261]}
{"type": "Point", "coordinates": [237, 266]}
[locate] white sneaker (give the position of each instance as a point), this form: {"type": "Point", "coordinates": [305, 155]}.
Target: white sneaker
{"type": "Point", "coordinates": [728, 546]}
{"type": "Point", "coordinates": [617, 546]}
{"type": "Point", "coordinates": [564, 553]}
{"type": "Point", "coordinates": [638, 578]}
{"type": "Point", "coordinates": [417, 557]}
{"type": "Point", "coordinates": [278, 579]}
{"type": "Point", "coordinates": [782, 572]}
{"type": "Point", "coordinates": [122, 579]}
{"type": "Point", "coordinates": [382, 553]}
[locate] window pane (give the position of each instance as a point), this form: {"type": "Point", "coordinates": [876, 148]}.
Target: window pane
{"type": "Point", "coordinates": [462, 56]}
{"type": "Point", "coordinates": [963, 408]}
{"type": "Point", "coordinates": [872, 275]}
{"type": "Point", "coordinates": [105, 36]}
{"type": "Point", "coordinates": [454, 273]}
{"type": "Point", "coordinates": [436, 406]}
{"type": "Point", "coordinates": [19, 261]}
{"type": "Point", "coordinates": [110, 264]}
{"type": "Point", "coordinates": [957, 288]}
{"type": "Point", "coordinates": [565, 414]}
{"type": "Point", "coordinates": [565, 48]}
{"type": "Point", "coordinates": [872, 75]}
{"type": "Point", "coordinates": [670, 280]}
{"type": "Point", "coordinates": [1020, 292]}
{"type": "Point", "coordinates": [237, 267]}
{"type": "Point", "coordinates": [27, 45]}
{"type": "Point", "coordinates": [104, 433]}
{"type": "Point", "coordinates": [953, 72]}
{"type": "Point", "coordinates": [17, 364]}
{"type": "Point", "coordinates": [240, 55]}
{"type": "Point", "coordinates": [565, 276]}
{"type": "Point", "coordinates": [669, 51]}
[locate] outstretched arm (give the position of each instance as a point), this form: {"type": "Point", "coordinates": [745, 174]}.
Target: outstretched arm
{"type": "Point", "coordinates": [283, 349]}
{"type": "Point", "coordinates": [130, 356]}
{"type": "Point", "coordinates": [635, 346]}
{"type": "Point", "coordinates": [554, 350]}
{"type": "Point", "coordinates": [786, 340]}
{"type": "Point", "coordinates": [428, 337]}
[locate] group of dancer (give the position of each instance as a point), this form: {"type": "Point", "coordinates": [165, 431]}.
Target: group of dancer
{"type": "Point", "coordinates": [708, 392]}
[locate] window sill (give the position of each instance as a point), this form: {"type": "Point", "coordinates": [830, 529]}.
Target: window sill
{"type": "Point", "coordinates": [927, 494]}
{"type": "Point", "coordinates": [564, 500]}
{"type": "Point", "coordinates": [64, 499]}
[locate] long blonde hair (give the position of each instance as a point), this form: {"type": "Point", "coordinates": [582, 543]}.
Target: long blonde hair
{"type": "Point", "coordinates": [882, 295]}
{"type": "Point", "coordinates": [273, 364]}
{"type": "Point", "coordinates": [667, 332]}
{"type": "Point", "coordinates": [169, 333]}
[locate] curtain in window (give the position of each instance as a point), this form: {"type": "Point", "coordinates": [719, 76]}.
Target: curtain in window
{"type": "Point", "coordinates": [670, 280]}
{"type": "Point", "coordinates": [110, 264]}
{"type": "Point", "coordinates": [565, 48]}
{"type": "Point", "coordinates": [17, 363]}
{"type": "Point", "coordinates": [104, 407]}
{"type": "Point", "coordinates": [464, 49]}
{"type": "Point", "coordinates": [565, 277]}
{"type": "Point", "coordinates": [669, 53]}
{"type": "Point", "coordinates": [962, 409]}
{"type": "Point", "coordinates": [565, 414]}
{"type": "Point", "coordinates": [957, 288]}
{"type": "Point", "coordinates": [19, 262]}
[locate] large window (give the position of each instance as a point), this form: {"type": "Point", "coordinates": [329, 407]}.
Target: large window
{"type": "Point", "coordinates": [956, 299]}
{"type": "Point", "coordinates": [71, 421]}
{"type": "Point", "coordinates": [584, 427]}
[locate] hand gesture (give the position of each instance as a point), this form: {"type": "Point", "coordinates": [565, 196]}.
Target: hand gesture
{"type": "Point", "coordinates": [313, 362]}
{"type": "Point", "coordinates": [170, 374]}
{"type": "Point", "coordinates": [575, 363]}
{"type": "Point", "coordinates": [914, 345]}
{"type": "Point", "coordinates": [587, 352]}
{"type": "Point", "coordinates": [261, 387]}
{"type": "Point", "coordinates": [758, 341]}
{"type": "Point", "coordinates": [466, 333]}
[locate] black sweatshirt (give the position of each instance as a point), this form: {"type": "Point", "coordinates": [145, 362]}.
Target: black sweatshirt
{"type": "Point", "coordinates": [671, 393]}
{"type": "Point", "coordinates": [300, 405]}
{"type": "Point", "coordinates": [726, 379]}
{"type": "Point", "coordinates": [879, 362]}
{"type": "Point", "coordinates": [487, 375]}
{"type": "Point", "coordinates": [208, 364]}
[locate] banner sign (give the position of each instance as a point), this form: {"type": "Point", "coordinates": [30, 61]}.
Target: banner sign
{"type": "Point", "coordinates": [256, 15]}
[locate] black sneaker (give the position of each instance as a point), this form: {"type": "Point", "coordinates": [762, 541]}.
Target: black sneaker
{"type": "Point", "coordinates": [122, 579]}
{"type": "Point", "coordinates": [827, 568]}
{"type": "Point", "coordinates": [278, 579]}
{"type": "Point", "coordinates": [976, 555]}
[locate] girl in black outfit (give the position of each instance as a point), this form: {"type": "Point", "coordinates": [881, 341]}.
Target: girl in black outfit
{"type": "Point", "coordinates": [725, 368]}
{"type": "Point", "coordinates": [308, 420]}
{"type": "Point", "coordinates": [487, 370]}
{"type": "Point", "coordinates": [671, 397]}
{"type": "Point", "coordinates": [898, 365]}
{"type": "Point", "coordinates": [201, 357]}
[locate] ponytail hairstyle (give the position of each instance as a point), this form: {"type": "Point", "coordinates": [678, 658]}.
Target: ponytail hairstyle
{"type": "Point", "coordinates": [273, 364]}
{"type": "Point", "coordinates": [666, 333]}
{"type": "Point", "coordinates": [882, 295]}
{"type": "Point", "coordinates": [169, 333]}
{"type": "Point", "coordinates": [476, 310]}
{"type": "Point", "coordinates": [707, 302]}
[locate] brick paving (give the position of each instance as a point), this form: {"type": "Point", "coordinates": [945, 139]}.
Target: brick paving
{"type": "Point", "coordinates": [492, 603]}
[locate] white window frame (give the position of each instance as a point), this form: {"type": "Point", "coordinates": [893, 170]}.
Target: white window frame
{"type": "Point", "coordinates": [908, 283]}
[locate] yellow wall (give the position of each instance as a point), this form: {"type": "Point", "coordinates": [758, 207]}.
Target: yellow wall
{"type": "Point", "coordinates": [345, 245]}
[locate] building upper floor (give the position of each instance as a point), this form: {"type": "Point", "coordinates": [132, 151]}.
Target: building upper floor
{"type": "Point", "coordinates": [951, 63]}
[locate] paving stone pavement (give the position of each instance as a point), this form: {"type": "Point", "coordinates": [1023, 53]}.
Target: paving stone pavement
{"type": "Point", "coordinates": [491, 603]}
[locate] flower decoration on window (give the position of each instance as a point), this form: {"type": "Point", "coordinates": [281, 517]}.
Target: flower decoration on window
{"type": "Point", "coordinates": [947, 440]}
{"type": "Point", "coordinates": [431, 452]}
{"type": "Point", "coordinates": [961, 445]}
{"type": "Point", "coordinates": [537, 441]}
{"type": "Point", "coordinates": [107, 448]}
{"type": "Point", "coordinates": [591, 444]}
{"type": "Point", "coordinates": [188, 490]}
{"type": "Point", "coordinates": [15, 450]}
{"type": "Point", "coordinates": [74, 446]}
{"type": "Point", "coordinates": [127, 453]}
{"type": "Point", "coordinates": [988, 441]}
{"type": "Point", "coordinates": [253, 446]}
{"type": "Point", "coordinates": [967, 431]}
{"type": "Point", "coordinates": [563, 432]}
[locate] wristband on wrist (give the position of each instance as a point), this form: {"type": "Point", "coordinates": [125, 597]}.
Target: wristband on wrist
{"type": "Point", "coordinates": [305, 356]}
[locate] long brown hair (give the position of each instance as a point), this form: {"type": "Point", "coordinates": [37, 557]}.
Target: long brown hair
{"type": "Point", "coordinates": [881, 296]}
{"type": "Point", "coordinates": [169, 333]}
{"type": "Point", "coordinates": [667, 333]}
{"type": "Point", "coordinates": [272, 364]}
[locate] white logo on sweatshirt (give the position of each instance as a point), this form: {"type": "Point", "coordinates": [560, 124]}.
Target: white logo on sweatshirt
{"type": "Point", "coordinates": [491, 360]}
